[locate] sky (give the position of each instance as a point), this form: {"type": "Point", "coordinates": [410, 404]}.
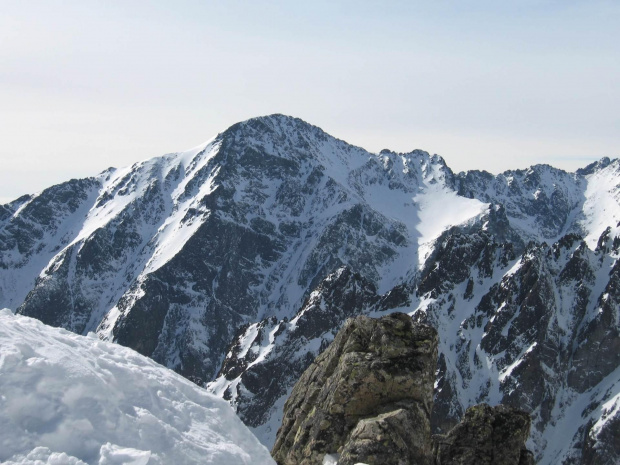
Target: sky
{"type": "Point", "coordinates": [85, 85]}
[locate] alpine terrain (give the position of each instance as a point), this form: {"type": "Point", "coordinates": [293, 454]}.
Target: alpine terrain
{"type": "Point", "coordinates": [237, 262]}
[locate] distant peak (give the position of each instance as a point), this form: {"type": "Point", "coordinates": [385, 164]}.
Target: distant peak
{"type": "Point", "coordinates": [274, 123]}
{"type": "Point", "coordinates": [277, 119]}
{"type": "Point", "coordinates": [421, 154]}
{"type": "Point", "coordinates": [595, 166]}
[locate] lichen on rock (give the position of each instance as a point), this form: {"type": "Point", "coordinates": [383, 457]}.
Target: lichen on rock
{"type": "Point", "coordinates": [373, 367]}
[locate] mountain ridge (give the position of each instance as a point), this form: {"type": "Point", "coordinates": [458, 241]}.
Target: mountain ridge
{"type": "Point", "coordinates": [266, 237]}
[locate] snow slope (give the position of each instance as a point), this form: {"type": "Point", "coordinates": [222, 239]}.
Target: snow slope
{"type": "Point", "coordinates": [601, 207]}
{"type": "Point", "coordinates": [73, 399]}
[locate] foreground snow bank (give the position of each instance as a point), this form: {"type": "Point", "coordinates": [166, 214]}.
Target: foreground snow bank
{"type": "Point", "coordinates": [69, 399]}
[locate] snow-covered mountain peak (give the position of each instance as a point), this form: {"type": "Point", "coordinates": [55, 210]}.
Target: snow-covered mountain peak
{"type": "Point", "coordinates": [176, 255]}
{"type": "Point", "coordinates": [295, 140]}
{"type": "Point", "coordinates": [595, 166]}
{"type": "Point", "coordinates": [599, 207]}
{"type": "Point", "coordinates": [415, 169]}
{"type": "Point", "coordinates": [291, 139]}
{"type": "Point", "coordinates": [545, 203]}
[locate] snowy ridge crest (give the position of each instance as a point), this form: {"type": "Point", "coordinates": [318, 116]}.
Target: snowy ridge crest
{"type": "Point", "coordinates": [245, 254]}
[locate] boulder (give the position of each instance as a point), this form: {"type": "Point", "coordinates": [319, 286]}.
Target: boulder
{"type": "Point", "coordinates": [368, 399]}
{"type": "Point", "coordinates": [399, 437]}
{"type": "Point", "coordinates": [382, 368]}
{"type": "Point", "coordinates": [486, 436]}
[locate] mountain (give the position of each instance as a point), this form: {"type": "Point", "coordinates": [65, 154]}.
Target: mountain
{"type": "Point", "coordinates": [235, 264]}
{"type": "Point", "coordinates": [73, 399]}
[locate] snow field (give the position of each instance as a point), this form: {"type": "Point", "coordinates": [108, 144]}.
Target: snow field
{"type": "Point", "coordinates": [72, 399]}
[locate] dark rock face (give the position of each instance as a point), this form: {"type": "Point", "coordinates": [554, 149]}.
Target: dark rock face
{"type": "Point", "coordinates": [598, 352]}
{"type": "Point", "coordinates": [602, 448]}
{"type": "Point", "coordinates": [544, 194]}
{"type": "Point", "coordinates": [533, 327]}
{"type": "Point", "coordinates": [516, 315]}
{"type": "Point", "coordinates": [372, 367]}
{"type": "Point", "coordinates": [459, 255]}
{"type": "Point", "coordinates": [33, 230]}
{"type": "Point", "coordinates": [288, 347]}
{"type": "Point", "coordinates": [486, 436]}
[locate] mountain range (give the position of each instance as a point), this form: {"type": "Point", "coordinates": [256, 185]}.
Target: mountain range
{"type": "Point", "coordinates": [235, 263]}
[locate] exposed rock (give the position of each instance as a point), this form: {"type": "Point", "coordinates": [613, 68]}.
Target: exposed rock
{"type": "Point", "coordinates": [374, 366]}
{"type": "Point", "coordinates": [601, 445]}
{"type": "Point", "coordinates": [398, 437]}
{"type": "Point", "coordinates": [250, 385]}
{"type": "Point", "coordinates": [543, 193]}
{"type": "Point", "coordinates": [368, 399]}
{"type": "Point", "coordinates": [486, 435]}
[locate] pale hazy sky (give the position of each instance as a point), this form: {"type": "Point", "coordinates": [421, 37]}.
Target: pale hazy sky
{"type": "Point", "coordinates": [493, 85]}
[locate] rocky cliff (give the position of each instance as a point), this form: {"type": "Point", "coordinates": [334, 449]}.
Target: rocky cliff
{"type": "Point", "coordinates": [368, 398]}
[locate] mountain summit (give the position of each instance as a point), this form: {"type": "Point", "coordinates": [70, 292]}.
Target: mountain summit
{"type": "Point", "coordinates": [243, 257]}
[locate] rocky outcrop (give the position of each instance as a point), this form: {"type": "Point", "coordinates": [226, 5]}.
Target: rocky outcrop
{"type": "Point", "coordinates": [486, 435]}
{"type": "Point", "coordinates": [382, 367]}
{"type": "Point", "coordinates": [368, 399]}
{"type": "Point", "coordinates": [392, 438]}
